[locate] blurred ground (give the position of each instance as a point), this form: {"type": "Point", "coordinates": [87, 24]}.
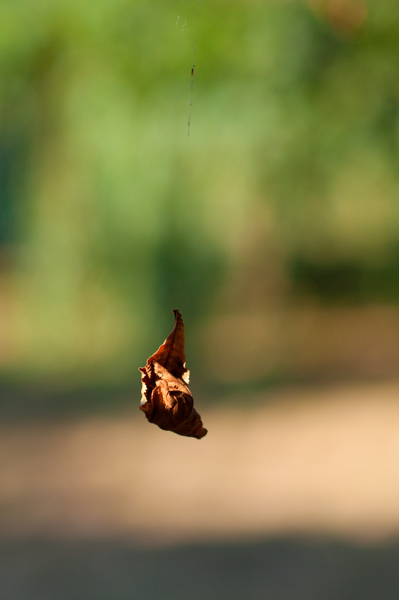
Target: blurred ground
{"type": "Point", "coordinates": [277, 569]}
{"type": "Point", "coordinates": [292, 461]}
{"type": "Point", "coordinates": [294, 495]}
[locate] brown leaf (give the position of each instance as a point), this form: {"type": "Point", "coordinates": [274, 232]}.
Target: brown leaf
{"type": "Point", "coordinates": [166, 399]}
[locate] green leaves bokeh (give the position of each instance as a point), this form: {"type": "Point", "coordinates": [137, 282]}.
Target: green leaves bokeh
{"type": "Point", "coordinates": [111, 216]}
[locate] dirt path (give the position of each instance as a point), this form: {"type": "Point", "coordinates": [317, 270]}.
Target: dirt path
{"type": "Point", "coordinates": [298, 461]}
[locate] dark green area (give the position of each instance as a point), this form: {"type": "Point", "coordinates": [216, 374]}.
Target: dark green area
{"type": "Point", "coordinates": [282, 568]}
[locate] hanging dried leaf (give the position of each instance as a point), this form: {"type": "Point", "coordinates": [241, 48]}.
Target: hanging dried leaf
{"type": "Point", "coordinates": [166, 399]}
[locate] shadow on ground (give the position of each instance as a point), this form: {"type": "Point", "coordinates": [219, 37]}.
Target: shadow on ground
{"type": "Point", "coordinates": [279, 569]}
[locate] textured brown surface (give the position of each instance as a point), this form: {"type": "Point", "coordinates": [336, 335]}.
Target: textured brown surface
{"type": "Point", "coordinates": [166, 399]}
{"type": "Point", "coordinates": [171, 353]}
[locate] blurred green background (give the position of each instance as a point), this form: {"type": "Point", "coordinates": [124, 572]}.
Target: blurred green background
{"type": "Point", "coordinates": [273, 227]}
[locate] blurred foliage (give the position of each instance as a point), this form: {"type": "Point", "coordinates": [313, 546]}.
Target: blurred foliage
{"type": "Point", "coordinates": [111, 216]}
